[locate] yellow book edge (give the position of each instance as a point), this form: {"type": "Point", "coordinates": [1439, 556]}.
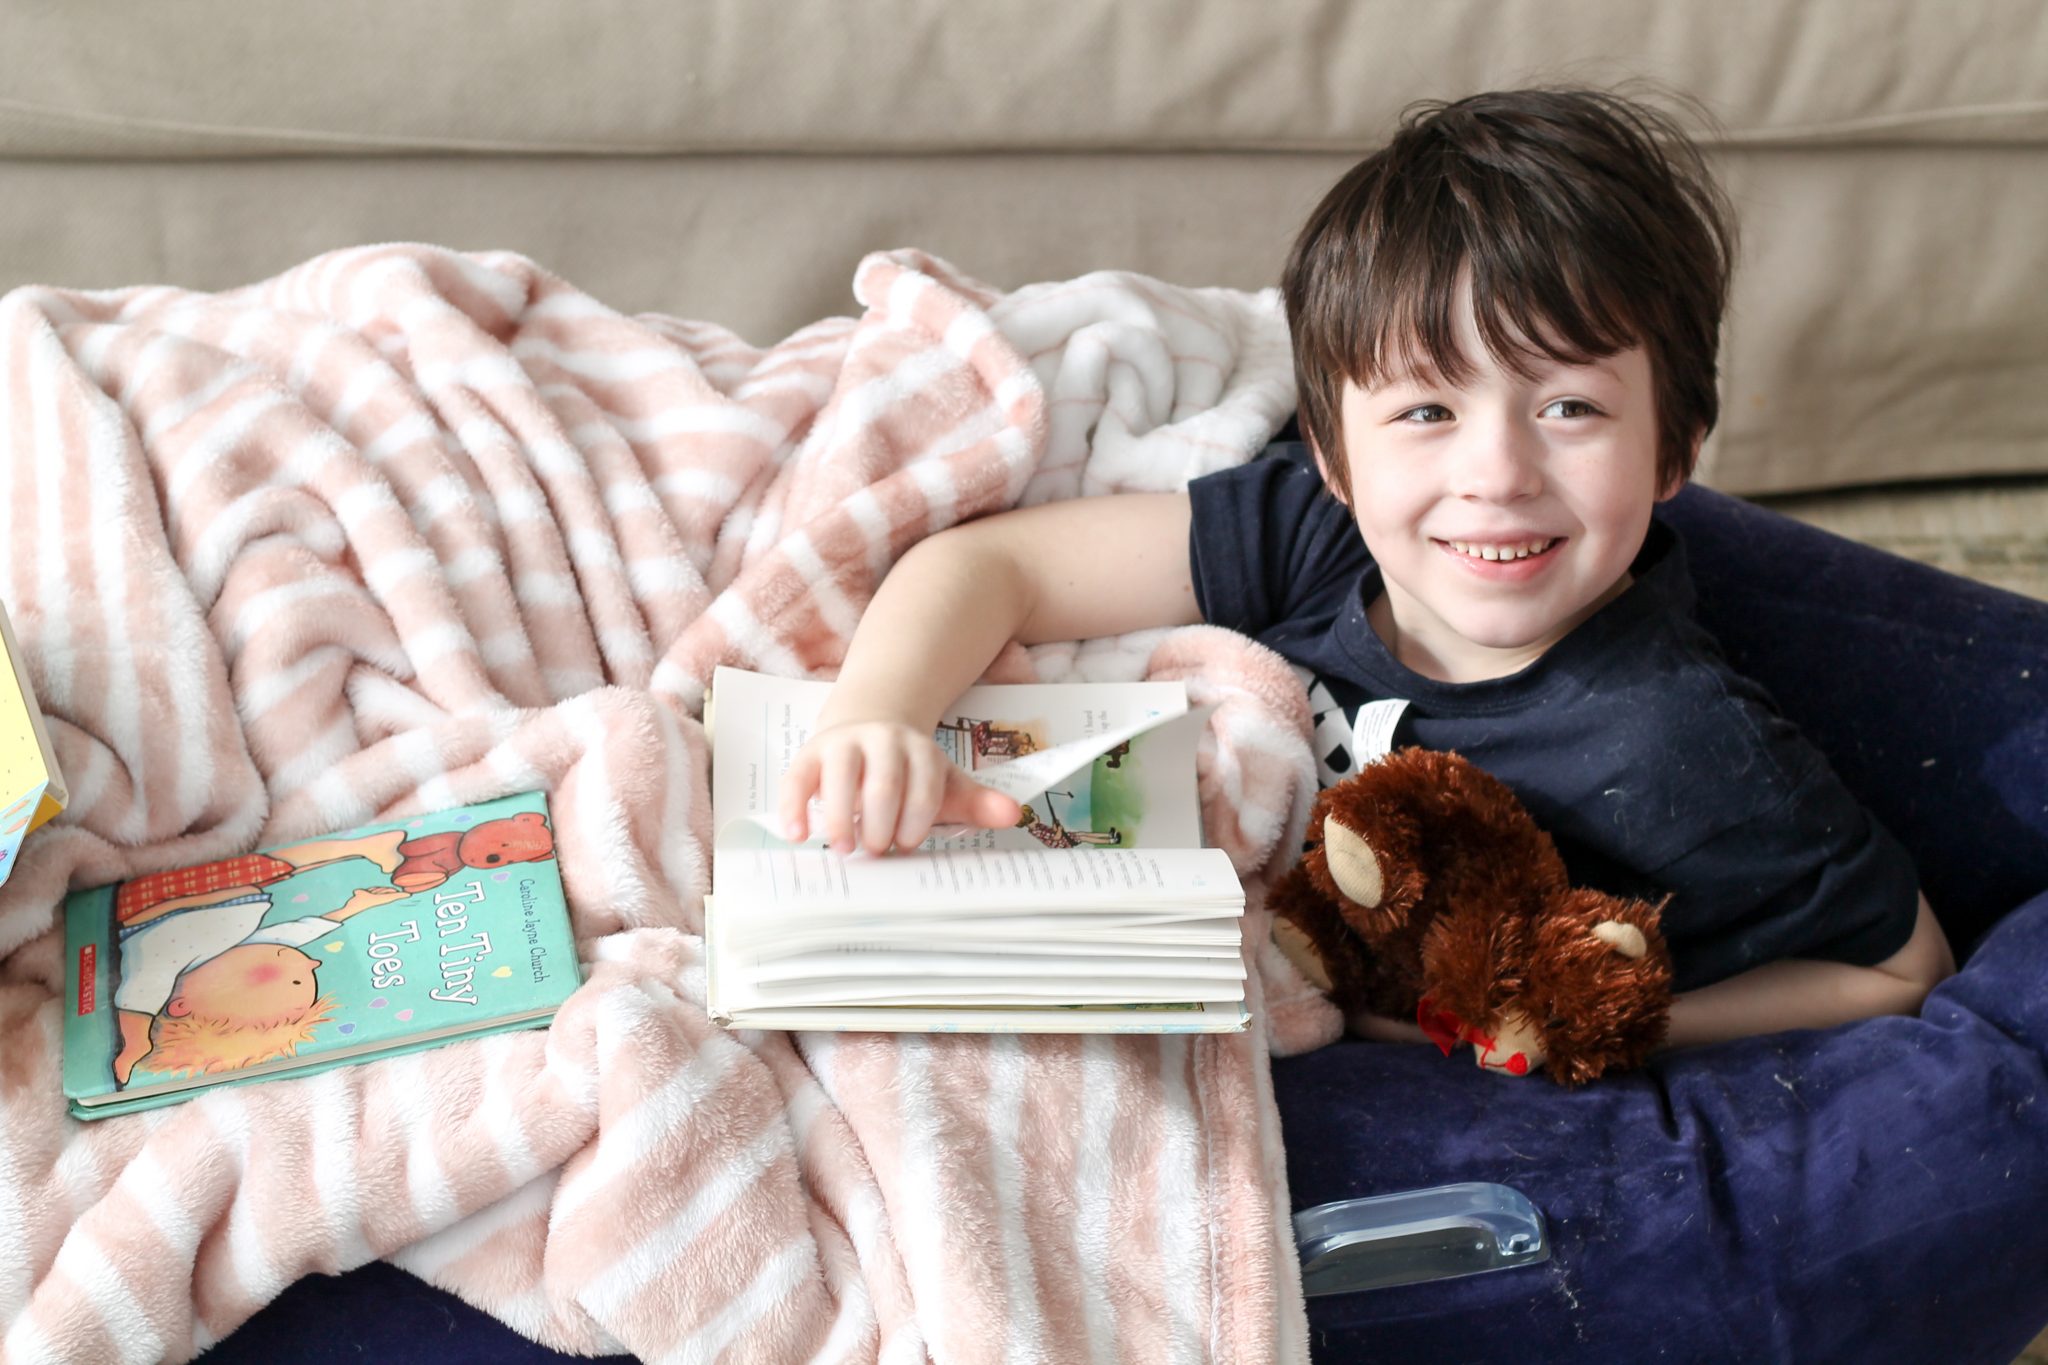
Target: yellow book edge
{"type": "Point", "coordinates": [55, 795]}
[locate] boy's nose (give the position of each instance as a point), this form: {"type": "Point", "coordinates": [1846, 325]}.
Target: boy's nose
{"type": "Point", "coordinates": [1498, 464]}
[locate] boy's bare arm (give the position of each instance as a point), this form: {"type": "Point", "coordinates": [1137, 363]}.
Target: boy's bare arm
{"type": "Point", "coordinates": [1802, 993]}
{"type": "Point", "coordinates": [1066, 570]}
{"type": "Point", "coordinates": [1062, 571]}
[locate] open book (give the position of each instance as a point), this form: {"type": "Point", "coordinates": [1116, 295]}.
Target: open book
{"type": "Point", "coordinates": [1100, 912]}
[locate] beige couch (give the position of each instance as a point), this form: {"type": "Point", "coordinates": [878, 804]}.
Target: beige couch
{"type": "Point", "coordinates": [733, 160]}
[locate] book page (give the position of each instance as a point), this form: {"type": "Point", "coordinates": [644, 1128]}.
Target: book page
{"type": "Point", "coordinates": [1100, 765]}
{"type": "Point", "coordinates": [1183, 1017]}
{"type": "Point", "coordinates": [939, 991]}
{"type": "Point", "coordinates": [1221, 942]}
{"type": "Point", "coordinates": [802, 926]}
{"type": "Point", "coordinates": [856, 962]}
{"type": "Point", "coordinates": [799, 881]}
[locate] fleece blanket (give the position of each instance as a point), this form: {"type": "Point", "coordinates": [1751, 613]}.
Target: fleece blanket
{"type": "Point", "coordinates": [404, 528]}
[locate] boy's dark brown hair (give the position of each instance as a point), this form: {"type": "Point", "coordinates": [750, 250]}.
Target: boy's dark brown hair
{"type": "Point", "coordinates": [1588, 223]}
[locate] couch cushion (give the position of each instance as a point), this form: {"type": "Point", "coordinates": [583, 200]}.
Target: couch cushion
{"type": "Point", "coordinates": [217, 77]}
{"type": "Point", "coordinates": [1886, 157]}
{"type": "Point", "coordinates": [1887, 320]}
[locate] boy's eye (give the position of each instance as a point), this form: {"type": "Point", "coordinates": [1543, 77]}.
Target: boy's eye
{"type": "Point", "coordinates": [1426, 412]}
{"type": "Point", "coordinates": [1570, 407]}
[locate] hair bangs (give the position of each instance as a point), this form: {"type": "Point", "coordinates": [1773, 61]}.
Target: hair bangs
{"type": "Point", "coordinates": [1529, 304]}
{"type": "Point", "coordinates": [1546, 310]}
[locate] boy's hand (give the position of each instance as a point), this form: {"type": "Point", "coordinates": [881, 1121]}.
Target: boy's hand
{"type": "Point", "coordinates": [890, 779]}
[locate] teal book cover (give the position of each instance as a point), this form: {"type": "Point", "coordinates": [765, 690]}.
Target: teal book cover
{"type": "Point", "coordinates": [362, 944]}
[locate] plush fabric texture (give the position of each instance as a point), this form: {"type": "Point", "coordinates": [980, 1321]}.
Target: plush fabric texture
{"type": "Point", "coordinates": [1869, 1193]}
{"type": "Point", "coordinates": [403, 528]}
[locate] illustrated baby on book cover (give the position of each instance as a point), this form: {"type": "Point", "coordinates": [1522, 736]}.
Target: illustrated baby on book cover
{"type": "Point", "coordinates": [324, 950]}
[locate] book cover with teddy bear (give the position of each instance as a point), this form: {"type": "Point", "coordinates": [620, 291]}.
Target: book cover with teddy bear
{"type": "Point", "coordinates": [355, 945]}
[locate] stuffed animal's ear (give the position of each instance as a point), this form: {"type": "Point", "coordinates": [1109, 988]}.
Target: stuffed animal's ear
{"type": "Point", "coordinates": [1366, 860]}
{"type": "Point", "coordinates": [1623, 937]}
{"type": "Point", "coordinates": [1600, 970]}
{"type": "Point", "coordinates": [1352, 864]}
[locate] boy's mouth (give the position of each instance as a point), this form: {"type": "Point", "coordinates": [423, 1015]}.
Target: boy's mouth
{"type": "Point", "coordinates": [1503, 550]}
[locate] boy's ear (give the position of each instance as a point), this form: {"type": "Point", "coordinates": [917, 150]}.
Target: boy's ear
{"type": "Point", "coordinates": [1678, 481]}
{"type": "Point", "coordinates": [1323, 468]}
{"type": "Point", "coordinates": [176, 1007]}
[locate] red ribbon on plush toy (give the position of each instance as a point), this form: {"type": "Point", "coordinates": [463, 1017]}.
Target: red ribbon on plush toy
{"type": "Point", "coordinates": [1444, 1028]}
{"type": "Point", "coordinates": [1447, 1030]}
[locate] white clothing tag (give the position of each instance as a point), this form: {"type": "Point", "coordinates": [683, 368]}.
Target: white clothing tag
{"type": "Point", "coordinates": [1372, 730]}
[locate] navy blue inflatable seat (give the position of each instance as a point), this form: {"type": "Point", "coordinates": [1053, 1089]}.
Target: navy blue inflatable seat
{"type": "Point", "coordinates": [1872, 1193]}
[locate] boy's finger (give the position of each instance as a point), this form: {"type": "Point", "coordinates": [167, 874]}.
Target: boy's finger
{"type": "Point", "coordinates": [838, 789]}
{"type": "Point", "coordinates": [993, 810]}
{"type": "Point", "coordinates": [968, 802]}
{"type": "Point", "coordinates": [799, 785]}
{"type": "Point", "coordinates": [921, 798]}
{"type": "Point", "coordinates": [881, 799]}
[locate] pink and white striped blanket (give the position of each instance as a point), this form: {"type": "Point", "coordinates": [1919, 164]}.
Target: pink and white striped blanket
{"type": "Point", "coordinates": [403, 528]}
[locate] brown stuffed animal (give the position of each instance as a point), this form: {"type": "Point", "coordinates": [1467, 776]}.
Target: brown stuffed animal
{"type": "Point", "coordinates": [1427, 892]}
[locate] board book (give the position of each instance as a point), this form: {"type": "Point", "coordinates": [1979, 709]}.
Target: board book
{"type": "Point", "coordinates": [31, 788]}
{"type": "Point", "coordinates": [383, 939]}
{"type": "Point", "coordinates": [1100, 912]}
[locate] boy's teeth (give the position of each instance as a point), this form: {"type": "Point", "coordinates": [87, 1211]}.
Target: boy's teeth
{"type": "Point", "coordinates": [1534, 547]}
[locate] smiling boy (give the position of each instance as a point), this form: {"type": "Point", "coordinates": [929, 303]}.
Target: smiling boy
{"type": "Point", "coordinates": [1504, 326]}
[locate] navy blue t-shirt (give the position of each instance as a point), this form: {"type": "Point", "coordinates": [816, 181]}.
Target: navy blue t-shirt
{"type": "Point", "coordinates": [1654, 766]}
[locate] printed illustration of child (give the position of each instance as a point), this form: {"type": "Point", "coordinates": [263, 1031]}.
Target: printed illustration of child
{"type": "Point", "coordinates": [1505, 326]}
{"type": "Point", "coordinates": [209, 987]}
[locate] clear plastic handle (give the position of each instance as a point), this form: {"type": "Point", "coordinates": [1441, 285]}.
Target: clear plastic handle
{"type": "Point", "coordinates": [1431, 1234]}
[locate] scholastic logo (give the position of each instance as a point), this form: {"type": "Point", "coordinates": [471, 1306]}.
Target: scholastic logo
{"type": "Point", "coordinates": [88, 976]}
